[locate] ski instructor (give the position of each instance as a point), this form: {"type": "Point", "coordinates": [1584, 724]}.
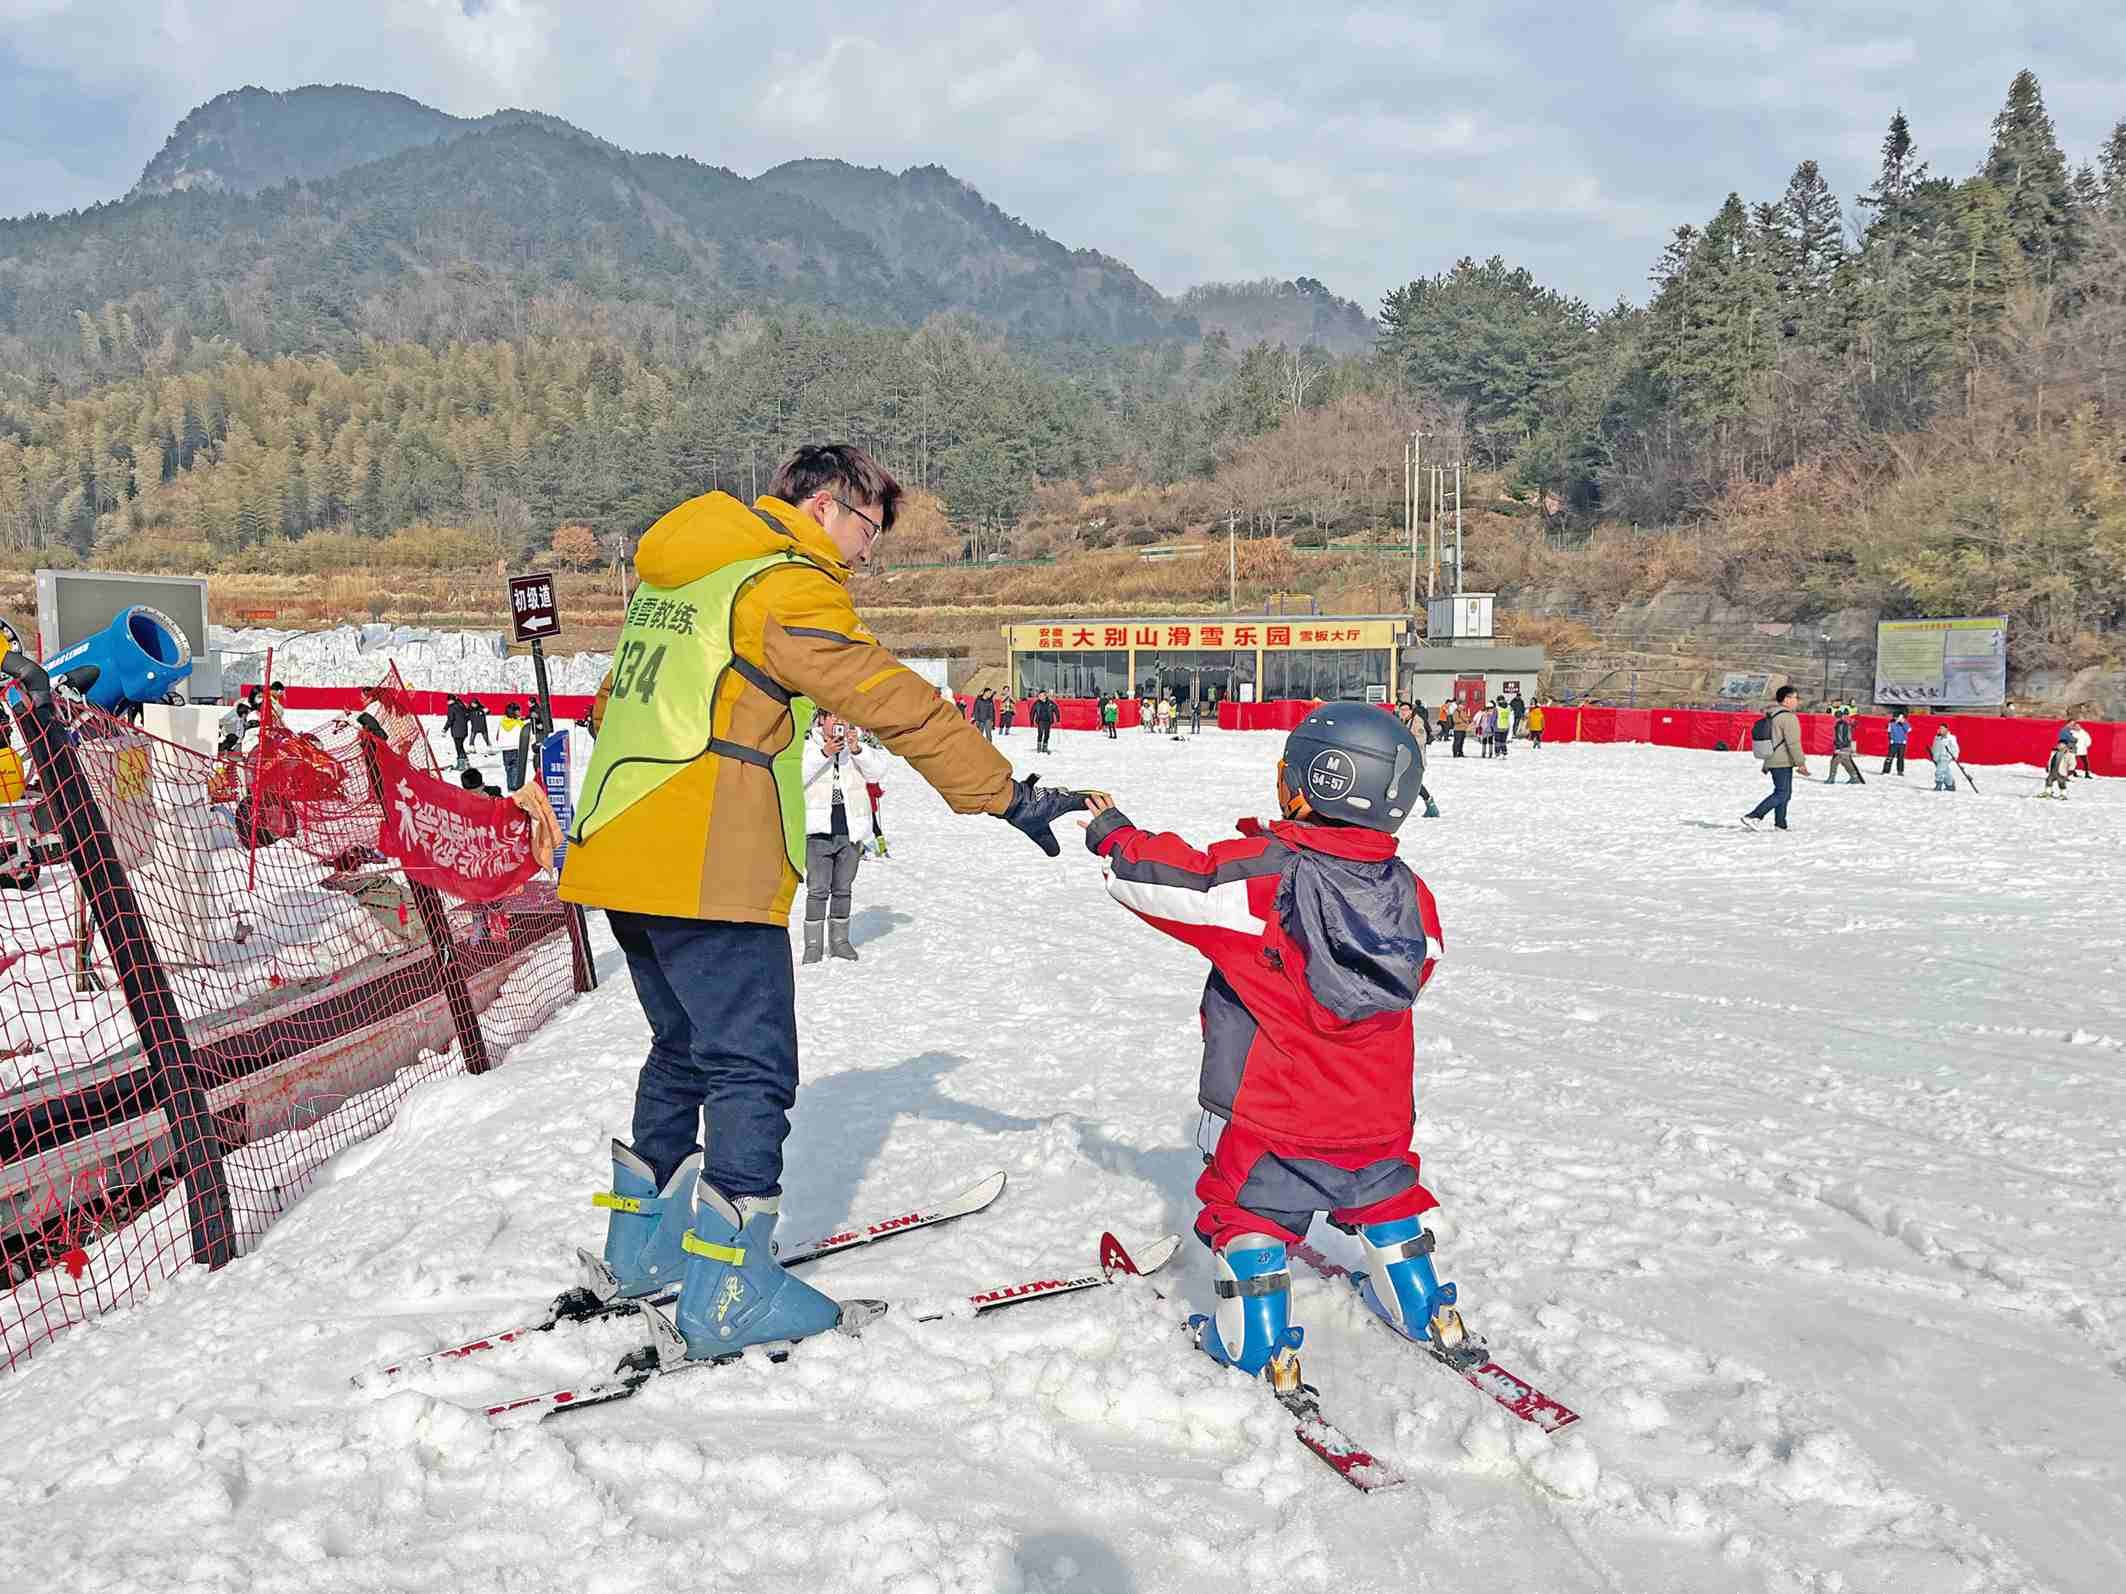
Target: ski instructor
{"type": "Point", "coordinates": [691, 835]}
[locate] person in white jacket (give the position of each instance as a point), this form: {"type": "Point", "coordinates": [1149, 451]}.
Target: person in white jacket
{"type": "Point", "coordinates": [2080, 733]}
{"type": "Point", "coordinates": [1945, 752]}
{"type": "Point", "coordinates": [838, 826]}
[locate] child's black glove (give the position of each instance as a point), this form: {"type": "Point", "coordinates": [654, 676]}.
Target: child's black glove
{"type": "Point", "coordinates": [1032, 812]}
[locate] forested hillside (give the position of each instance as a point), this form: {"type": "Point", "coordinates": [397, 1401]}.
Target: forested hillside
{"type": "Point", "coordinates": [253, 138]}
{"type": "Point", "coordinates": [1915, 401]}
{"type": "Point", "coordinates": [1296, 314]}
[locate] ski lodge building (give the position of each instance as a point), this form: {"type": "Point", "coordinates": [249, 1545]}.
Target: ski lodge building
{"type": "Point", "coordinates": [1274, 658]}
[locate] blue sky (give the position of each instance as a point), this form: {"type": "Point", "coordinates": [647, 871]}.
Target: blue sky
{"type": "Point", "coordinates": [1361, 144]}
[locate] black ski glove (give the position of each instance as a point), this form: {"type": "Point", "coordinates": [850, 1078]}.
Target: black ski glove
{"type": "Point", "coordinates": [1032, 812]}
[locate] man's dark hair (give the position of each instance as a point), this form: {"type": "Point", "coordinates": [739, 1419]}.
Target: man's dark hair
{"type": "Point", "coordinates": [839, 467]}
{"type": "Point", "coordinates": [1786, 692]}
{"type": "Point", "coordinates": [280, 686]}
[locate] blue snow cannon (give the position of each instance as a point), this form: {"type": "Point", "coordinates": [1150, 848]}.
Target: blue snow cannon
{"type": "Point", "coordinates": [140, 657]}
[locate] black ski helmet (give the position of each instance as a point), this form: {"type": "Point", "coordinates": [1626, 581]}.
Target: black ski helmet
{"type": "Point", "coordinates": [1355, 762]}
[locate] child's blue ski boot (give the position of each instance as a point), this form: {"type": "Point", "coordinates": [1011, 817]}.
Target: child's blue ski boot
{"type": "Point", "coordinates": [1413, 1302]}
{"type": "Point", "coordinates": [642, 1235]}
{"type": "Point", "coordinates": [736, 1294]}
{"type": "Point", "coordinates": [1252, 1329]}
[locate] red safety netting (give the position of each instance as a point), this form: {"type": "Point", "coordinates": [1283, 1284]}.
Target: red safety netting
{"type": "Point", "coordinates": [241, 984]}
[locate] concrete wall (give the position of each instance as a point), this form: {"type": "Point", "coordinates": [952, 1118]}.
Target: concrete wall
{"type": "Point", "coordinates": [1429, 673]}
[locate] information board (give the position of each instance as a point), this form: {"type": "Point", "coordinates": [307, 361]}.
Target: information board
{"type": "Point", "coordinates": [1941, 662]}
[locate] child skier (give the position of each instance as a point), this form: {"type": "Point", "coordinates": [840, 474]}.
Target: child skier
{"type": "Point", "coordinates": [2059, 769]}
{"type": "Point", "coordinates": [1320, 939]}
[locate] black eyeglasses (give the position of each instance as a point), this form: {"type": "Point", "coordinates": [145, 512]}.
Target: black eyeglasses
{"type": "Point", "coordinates": [877, 529]}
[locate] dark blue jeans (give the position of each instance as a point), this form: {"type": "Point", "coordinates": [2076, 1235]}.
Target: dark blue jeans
{"type": "Point", "coordinates": [1775, 802]}
{"type": "Point", "coordinates": [721, 999]}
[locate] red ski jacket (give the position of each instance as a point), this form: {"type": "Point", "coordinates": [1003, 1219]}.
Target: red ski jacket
{"type": "Point", "coordinates": [1320, 940]}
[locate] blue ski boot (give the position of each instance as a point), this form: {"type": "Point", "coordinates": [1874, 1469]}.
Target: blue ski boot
{"type": "Point", "coordinates": [642, 1235]}
{"type": "Point", "coordinates": [1413, 1302]}
{"type": "Point", "coordinates": [1251, 1330]}
{"type": "Point", "coordinates": [736, 1294]}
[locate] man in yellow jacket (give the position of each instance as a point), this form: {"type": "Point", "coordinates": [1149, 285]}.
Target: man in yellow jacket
{"type": "Point", "coordinates": [690, 833]}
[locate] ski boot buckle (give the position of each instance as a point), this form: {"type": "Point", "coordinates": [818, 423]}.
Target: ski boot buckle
{"type": "Point", "coordinates": [1451, 1340]}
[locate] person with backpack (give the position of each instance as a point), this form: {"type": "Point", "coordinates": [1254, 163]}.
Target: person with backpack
{"type": "Point", "coordinates": [1900, 733]}
{"type": "Point", "coordinates": [1776, 740]}
{"type": "Point", "coordinates": [1945, 752]}
{"type": "Point", "coordinates": [1842, 749]}
{"type": "Point", "coordinates": [1320, 940]}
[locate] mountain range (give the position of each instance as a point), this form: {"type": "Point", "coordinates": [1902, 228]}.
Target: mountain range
{"type": "Point", "coordinates": [310, 219]}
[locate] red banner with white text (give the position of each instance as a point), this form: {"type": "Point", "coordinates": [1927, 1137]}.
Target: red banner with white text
{"type": "Point", "coordinates": [475, 847]}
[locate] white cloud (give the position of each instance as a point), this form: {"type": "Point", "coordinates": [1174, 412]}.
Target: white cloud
{"type": "Point", "coordinates": [1362, 145]}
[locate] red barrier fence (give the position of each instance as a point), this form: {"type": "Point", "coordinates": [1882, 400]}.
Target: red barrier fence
{"type": "Point", "coordinates": [348, 699]}
{"type": "Point", "coordinates": [212, 979]}
{"type": "Point", "coordinates": [1984, 738]}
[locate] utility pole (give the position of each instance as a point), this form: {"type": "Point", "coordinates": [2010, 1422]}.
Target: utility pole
{"type": "Point", "coordinates": [1415, 459]}
{"type": "Point", "coordinates": [1432, 541]}
{"type": "Point", "coordinates": [1457, 528]}
{"type": "Point", "coordinates": [1232, 564]}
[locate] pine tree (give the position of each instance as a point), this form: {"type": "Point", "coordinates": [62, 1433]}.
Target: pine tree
{"type": "Point", "coordinates": [192, 438]}
{"type": "Point", "coordinates": [329, 503]}
{"type": "Point", "coordinates": [1983, 262]}
{"type": "Point", "coordinates": [295, 501]}
{"type": "Point", "coordinates": [1890, 196]}
{"type": "Point", "coordinates": [2025, 163]}
{"type": "Point", "coordinates": [1814, 240]}
{"type": "Point", "coordinates": [369, 507]}
{"type": "Point", "coordinates": [2087, 195]}
{"type": "Point", "coordinates": [2112, 159]}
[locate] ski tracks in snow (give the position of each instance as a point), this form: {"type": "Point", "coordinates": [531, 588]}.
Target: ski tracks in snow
{"type": "Point", "coordinates": [1792, 1162]}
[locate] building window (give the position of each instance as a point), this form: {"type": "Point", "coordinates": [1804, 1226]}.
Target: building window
{"type": "Point", "coordinates": [1213, 673]}
{"type": "Point", "coordinates": [1324, 673]}
{"type": "Point", "coordinates": [1073, 674]}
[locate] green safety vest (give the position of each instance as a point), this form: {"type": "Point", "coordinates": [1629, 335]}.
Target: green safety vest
{"type": "Point", "coordinates": [668, 666]}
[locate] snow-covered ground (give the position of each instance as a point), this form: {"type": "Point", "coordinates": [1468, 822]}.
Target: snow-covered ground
{"type": "Point", "coordinates": [1795, 1163]}
{"type": "Point", "coordinates": [440, 661]}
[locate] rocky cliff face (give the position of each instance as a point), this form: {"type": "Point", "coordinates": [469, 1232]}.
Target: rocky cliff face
{"type": "Point", "coordinates": [1677, 645]}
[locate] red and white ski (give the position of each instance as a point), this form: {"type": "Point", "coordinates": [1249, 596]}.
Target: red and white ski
{"type": "Point", "coordinates": [579, 1305]}
{"type": "Point", "coordinates": [1352, 1462]}
{"type": "Point", "coordinates": [1115, 1263]}
{"type": "Point", "coordinates": [1509, 1389]}
{"type": "Point", "coordinates": [666, 1352]}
